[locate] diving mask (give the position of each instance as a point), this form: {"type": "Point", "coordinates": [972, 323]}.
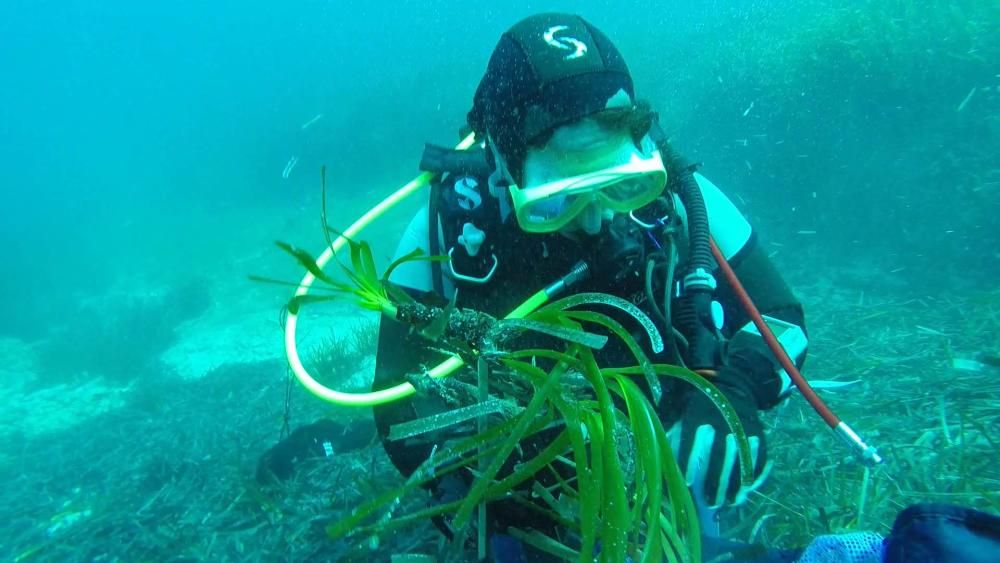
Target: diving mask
{"type": "Point", "coordinates": [560, 184]}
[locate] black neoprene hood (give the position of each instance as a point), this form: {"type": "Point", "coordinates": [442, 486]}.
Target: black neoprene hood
{"type": "Point", "coordinates": [546, 71]}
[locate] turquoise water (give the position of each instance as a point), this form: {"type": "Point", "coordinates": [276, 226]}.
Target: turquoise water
{"type": "Point", "coordinates": [141, 165]}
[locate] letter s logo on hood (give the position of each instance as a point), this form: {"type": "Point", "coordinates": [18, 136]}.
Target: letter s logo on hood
{"type": "Point", "coordinates": [578, 47]}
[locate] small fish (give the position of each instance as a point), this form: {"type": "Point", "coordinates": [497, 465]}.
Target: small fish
{"type": "Point", "coordinates": [967, 365]}
{"type": "Point", "coordinates": [965, 101]}
{"type": "Point", "coordinates": [316, 118]}
{"type": "Point", "coordinates": [289, 166]}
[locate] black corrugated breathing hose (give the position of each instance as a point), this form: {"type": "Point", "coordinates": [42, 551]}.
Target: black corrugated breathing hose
{"type": "Point", "coordinates": [694, 311]}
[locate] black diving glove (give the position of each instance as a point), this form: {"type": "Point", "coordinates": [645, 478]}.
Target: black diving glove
{"type": "Point", "coordinates": [704, 444]}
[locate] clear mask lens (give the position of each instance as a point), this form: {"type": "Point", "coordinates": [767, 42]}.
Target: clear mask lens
{"type": "Point", "coordinates": [625, 189]}
{"type": "Point", "coordinates": [559, 185]}
{"type": "Point", "coordinates": [550, 208]}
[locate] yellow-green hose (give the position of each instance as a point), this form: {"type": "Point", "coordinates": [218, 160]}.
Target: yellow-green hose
{"type": "Point", "coordinates": [444, 369]}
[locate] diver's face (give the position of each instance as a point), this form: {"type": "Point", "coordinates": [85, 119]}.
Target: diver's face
{"type": "Point", "coordinates": [586, 144]}
{"type": "Point", "coordinates": [581, 145]}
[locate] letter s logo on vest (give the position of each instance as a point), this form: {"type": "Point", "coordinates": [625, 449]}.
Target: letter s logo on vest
{"type": "Point", "coordinates": [578, 47]}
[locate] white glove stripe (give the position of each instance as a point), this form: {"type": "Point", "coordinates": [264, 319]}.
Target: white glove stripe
{"type": "Point", "coordinates": [754, 442]}
{"type": "Point", "coordinates": [674, 439]}
{"type": "Point", "coordinates": [726, 471]}
{"type": "Point", "coordinates": [701, 455]}
{"type": "Point", "coordinates": [744, 492]}
{"type": "Point", "coordinates": [699, 458]}
{"type": "Point", "coordinates": [729, 464]}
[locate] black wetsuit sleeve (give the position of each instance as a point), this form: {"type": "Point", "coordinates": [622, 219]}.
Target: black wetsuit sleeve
{"type": "Point", "coordinates": [773, 298]}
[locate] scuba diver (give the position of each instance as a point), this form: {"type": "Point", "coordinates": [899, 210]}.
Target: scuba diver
{"type": "Point", "coordinates": [574, 174]}
{"type": "Point", "coordinates": [576, 169]}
